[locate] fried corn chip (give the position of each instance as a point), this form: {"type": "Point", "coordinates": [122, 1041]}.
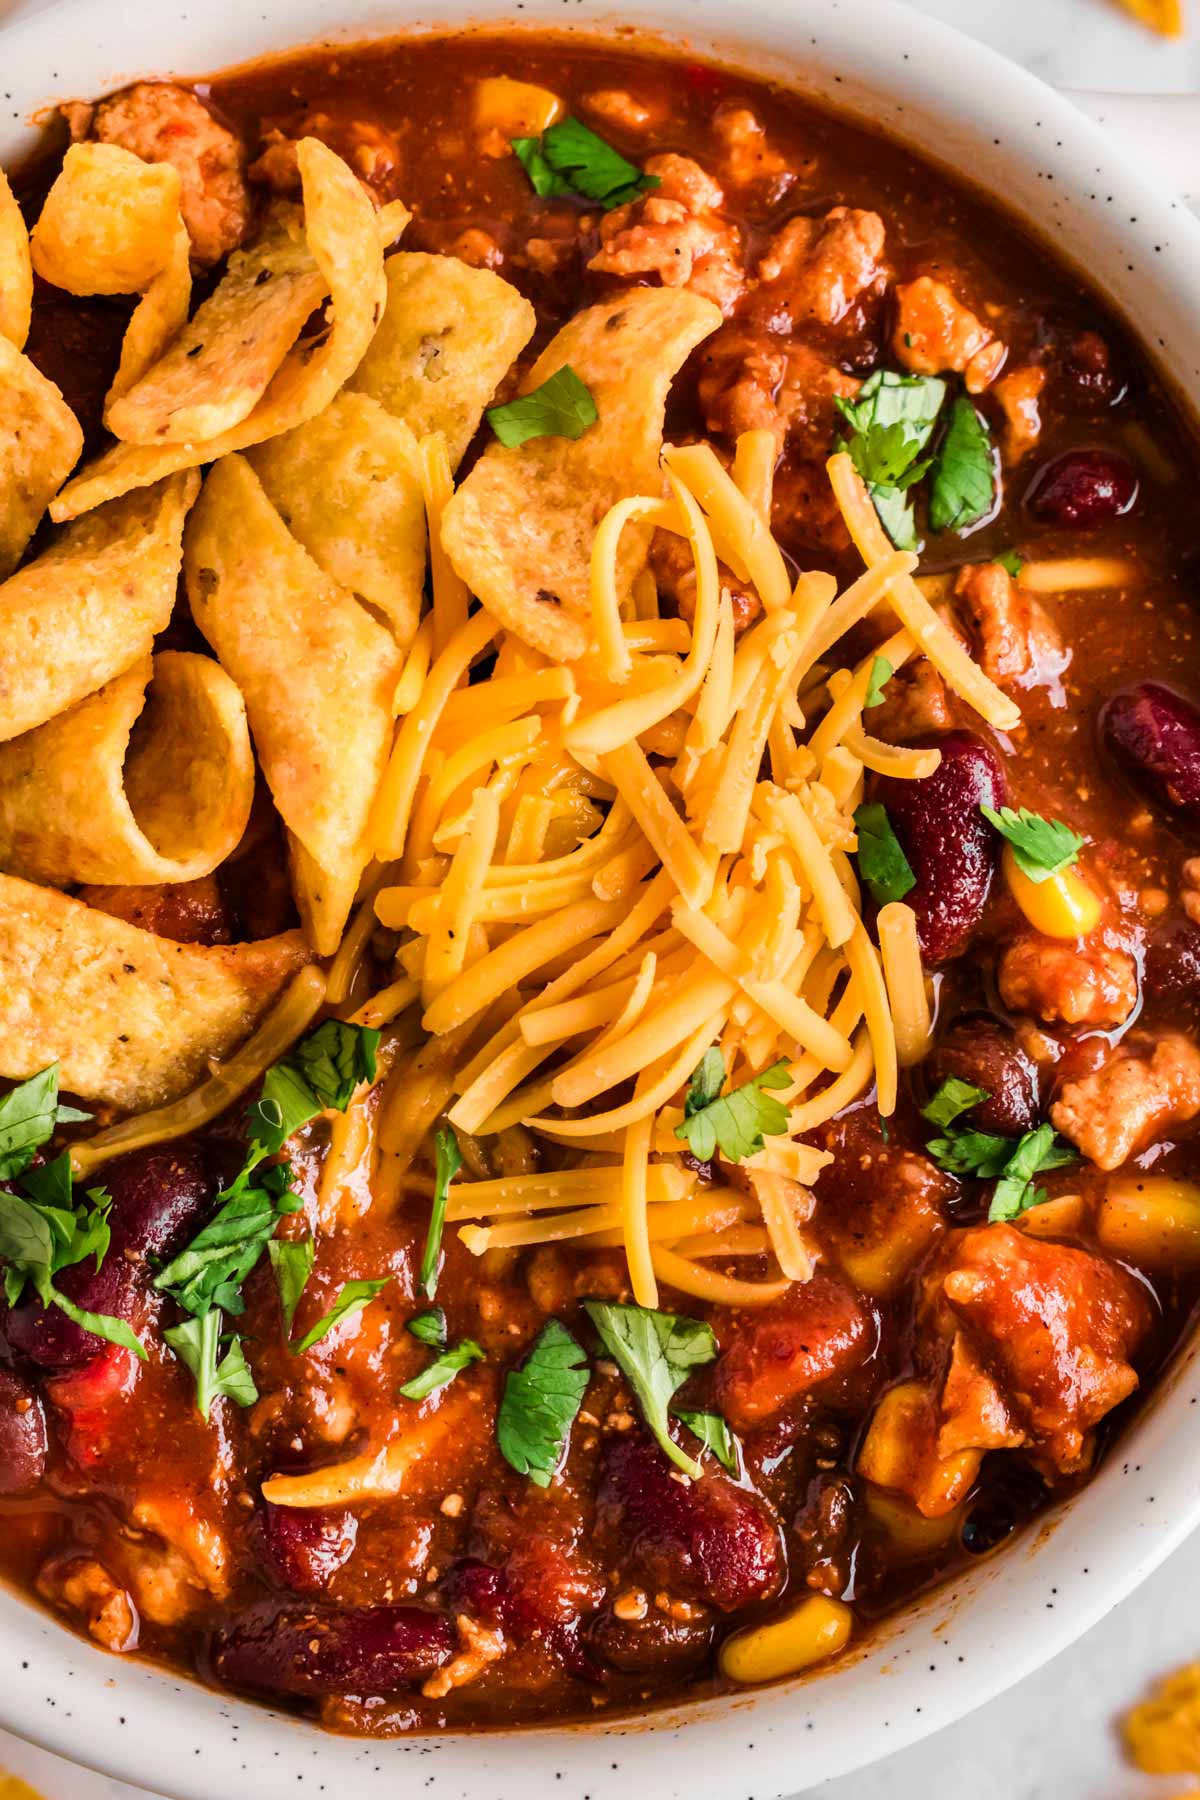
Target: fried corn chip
{"type": "Point", "coordinates": [316, 671]}
{"type": "Point", "coordinates": [90, 606]}
{"type": "Point", "coordinates": [219, 365]}
{"type": "Point", "coordinates": [160, 313]}
{"type": "Point", "coordinates": [149, 780]}
{"type": "Point", "coordinates": [520, 528]}
{"type": "Point", "coordinates": [133, 1019]}
{"type": "Point", "coordinates": [1165, 16]}
{"type": "Point", "coordinates": [448, 337]}
{"type": "Point", "coordinates": [108, 221]}
{"type": "Point", "coordinates": [16, 269]}
{"type": "Point", "coordinates": [1162, 1735]}
{"type": "Point", "coordinates": [344, 238]}
{"type": "Point", "coordinates": [40, 441]}
{"type": "Point", "coordinates": [348, 486]}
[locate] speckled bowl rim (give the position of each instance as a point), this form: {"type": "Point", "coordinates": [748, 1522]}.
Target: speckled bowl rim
{"type": "Point", "coordinates": [977, 115]}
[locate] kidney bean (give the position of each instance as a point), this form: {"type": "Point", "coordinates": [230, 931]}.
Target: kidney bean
{"type": "Point", "coordinates": [495, 1598]}
{"type": "Point", "coordinates": [1083, 488]}
{"type": "Point", "coordinates": [158, 1197]}
{"type": "Point", "coordinates": [304, 1547]}
{"type": "Point", "coordinates": [982, 1051]}
{"type": "Point", "coordinates": [951, 848]}
{"type": "Point", "coordinates": [1154, 733]}
{"type": "Point", "coordinates": [362, 1651]}
{"type": "Point", "coordinates": [708, 1540]}
{"type": "Point", "coordinates": [1172, 966]}
{"type": "Point", "coordinates": [22, 1435]}
{"type": "Point", "coordinates": [655, 1645]}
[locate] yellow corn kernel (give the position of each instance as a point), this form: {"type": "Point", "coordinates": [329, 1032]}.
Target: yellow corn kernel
{"type": "Point", "coordinates": [517, 108]}
{"type": "Point", "coordinates": [908, 1530]}
{"type": "Point", "coordinates": [1061, 1217]}
{"type": "Point", "coordinates": [1153, 1221]}
{"type": "Point", "coordinates": [811, 1633]}
{"type": "Point", "coordinates": [1062, 906]}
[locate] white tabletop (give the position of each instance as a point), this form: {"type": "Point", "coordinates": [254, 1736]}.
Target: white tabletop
{"type": "Point", "coordinates": [1054, 1736]}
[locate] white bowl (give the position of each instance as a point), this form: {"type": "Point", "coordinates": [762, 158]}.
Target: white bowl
{"type": "Point", "coordinates": [980, 117]}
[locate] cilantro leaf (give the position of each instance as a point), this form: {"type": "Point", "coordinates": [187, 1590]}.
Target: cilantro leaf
{"type": "Point", "coordinates": [442, 1370]}
{"type": "Point", "coordinates": [713, 1433]}
{"type": "Point", "coordinates": [1041, 847]}
{"type": "Point", "coordinates": [953, 1098]}
{"type": "Point", "coordinates": [210, 1270]}
{"type": "Point", "coordinates": [1037, 1151]}
{"type": "Point", "coordinates": [352, 1299]}
{"type": "Point", "coordinates": [429, 1328]}
{"type": "Point", "coordinates": [292, 1261]}
{"type": "Point", "coordinates": [656, 1352]}
{"type": "Point", "coordinates": [963, 489]}
{"type": "Point", "coordinates": [1011, 562]}
{"type": "Point", "coordinates": [449, 1162]}
{"type": "Point", "coordinates": [736, 1122]}
{"type": "Point", "coordinates": [29, 1113]}
{"type": "Point", "coordinates": [196, 1343]}
{"type": "Point", "coordinates": [979, 1153]}
{"type": "Point", "coordinates": [562, 407]}
{"type": "Point", "coordinates": [26, 1239]}
{"type": "Point", "coordinates": [321, 1071]}
{"type": "Point", "coordinates": [891, 420]}
{"type": "Point", "coordinates": [102, 1325]}
{"type": "Point", "coordinates": [540, 1402]}
{"type": "Point", "coordinates": [881, 859]}
{"type": "Point", "coordinates": [285, 1104]}
{"type": "Point", "coordinates": [881, 673]}
{"type": "Point", "coordinates": [46, 1230]}
{"type": "Point", "coordinates": [572, 159]}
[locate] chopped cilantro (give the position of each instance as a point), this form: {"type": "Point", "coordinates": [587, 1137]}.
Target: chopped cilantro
{"type": "Point", "coordinates": [881, 673]}
{"type": "Point", "coordinates": [737, 1122]}
{"type": "Point", "coordinates": [978, 1153]}
{"type": "Point", "coordinates": [569, 158]}
{"type": "Point", "coordinates": [1010, 562]}
{"type": "Point", "coordinates": [29, 1113]}
{"type": "Point", "coordinates": [881, 859]}
{"type": "Point", "coordinates": [449, 1162]}
{"type": "Point", "coordinates": [442, 1370]}
{"type": "Point", "coordinates": [292, 1261]}
{"type": "Point", "coordinates": [891, 420]}
{"type": "Point", "coordinates": [1041, 847]}
{"type": "Point", "coordinates": [656, 1352]}
{"type": "Point", "coordinates": [319, 1072]}
{"type": "Point", "coordinates": [963, 488]}
{"type": "Point", "coordinates": [1037, 1151]}
{"type": "Point", "coordinates": [352, 1299]}
{"type": "Point", "coordinates": [540, 1402]}
{"type": "Point", "coordinates": [713, 1433]}
{"type": "Point", "coordinates": [562, 407]}
{"type": "Point", "coordinates": [196, 1343]}
{"type": "Point", "coordinates": [429, 1328]}
{"type": "Point", "coordinates": [953, 1098]}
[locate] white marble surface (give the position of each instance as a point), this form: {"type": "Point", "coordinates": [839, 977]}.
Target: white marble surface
{"type": "Point", "coordinates": [1054, 1736]}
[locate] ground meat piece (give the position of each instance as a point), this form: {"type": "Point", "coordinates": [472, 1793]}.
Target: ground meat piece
{"type": "Point", "coordinates": [822, 1528]}
{"type": "Point", "coordinates": [974, 1413]}
{"type": "Point", "coordinates": [879, 1202]}
{"type": "Point", "coordinates": [915, 705]}
{"type": "Point", "coordinates": [620, 108]}
{"type": "Point", "coordinates": [478, 248]}
{"type": "Point", "coordinates": [1018, 640]}
{"type": "Point", "coordinates": [187, 912]}
{"type": "Point", "coordinates": [812, 1336]}
{"type": "Point", "coordinates": [1055, 1325]}
{"type": "Point", "coordinates": [479, 1647]}
{"type": "Point", "coordinates": [805, 515]}
{"type": "Point", "coordinates": [935, 333]}
{"type": "Point", "coordinates": [161, 122]}
{"type": "Point", "coordinates": [675, 572]}
{"type": "Point", "coordinates": [1142, 1091]}
{"type": "Point", "coordinates": [1088, 983]}
{"type": "Point", "coordinates": [676, 232]}
{"type": "Point", "coordinates": [815, 269]}
{"type": "Point", "coordinates": [85, 1587]}
{"type": "Point", "coordinates": [752, 381]}
{"type": "Point", "coordinates": [1018, 394]}
{"type": "Point", "coordinates": [371, 150]}
{"type": "Point", "coordinates": [747, 156]}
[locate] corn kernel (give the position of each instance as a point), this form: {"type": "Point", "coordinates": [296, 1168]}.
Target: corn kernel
{"type": "Point", "coordinates": [1060, 1217]}
{"type": "Point", "coordinates": [811, 1633]}
{"type": "Point", "coordinates": [517, 108]}
{"type": "Point", "coordinates": [909, 1531]}
{"type": "Point", "coordinates": [1152, 1220]}
{"type": "Point", "coordinates": [1062, 906]}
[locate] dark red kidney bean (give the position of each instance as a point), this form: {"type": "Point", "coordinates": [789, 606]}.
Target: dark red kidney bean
{"type": "Point", "coordinates": [22, 1435]}
{"type": "Point", "coordinates": [1172, 966]}
{"type": "Point", "coordinates": [363, 1651]}
{"type": "Point", "coordinates": [982, 1051]}
{"type": "Point", "coordinates": [709, 1540]}
{"type": "Point", "coordinates": [490, 1595]}
{"type": "Point", "coordinates": [1083, 488]}
{"type": "Point", "coordinates": [1154, 733]}
{"type": "Point", "coordinates": [478, 1588]}
{"type": "Point", "coordinates": [655, 1645]}
{"type": "Point", "coordinates": [952, 850]}
{"type": "Point", "coordinates": [158, 1198]}
{"type": "Point", "coordinates": [304, 1547]}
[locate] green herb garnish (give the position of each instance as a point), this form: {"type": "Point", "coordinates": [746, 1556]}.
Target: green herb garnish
{"type": "Point", "coordinates": [952, 1099]}
{"type": "Point", "coordinates": [963, 488]}
{"type": "Point", "coordinates": [569, 158]}
{"type": "Point", "coordinates": [562, 407]}
{"type": "Point", "coordinates": [1010, 562]}
{"type": "Point", "coordinates": [449, 1162]}
{"type": "Point", "coordinates": [881, 673]}
{"type": "Point", "coordinates": [442, 1370]}
{"type": "Point", "coordinates": [736, 1122]}
{"type": "Point", "coordinates": [656, 1352]}
{"type": "Point", "coordinates": [881, 859]}
{"type": "Point", "coordinates": [1037, 1151]}
{"type": "Point", "coordinates": [429, 1328]}
{"type": "Point", "coordinates": [1041, 847]}
{"type": "Point", "coordinates": [540, 1402]}
{"type": "Point", "coordinates": [713, 1433]}
{"type": "Point", "coordinates": [891, 420]}
{"type": "Point", "coordinates": [353, 1297]}
{"type": "Point", "coordinates": [29, 1114]}
{"type": "Point", "coordinates": [292, 1261]}
{"type": "Point", "coordinates": [196, 1342]}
